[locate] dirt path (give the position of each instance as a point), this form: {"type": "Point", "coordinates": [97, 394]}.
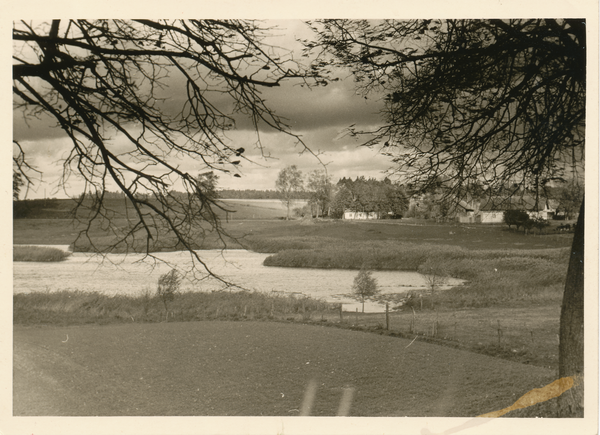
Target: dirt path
{"type": "Point", "coordinates": [252, 368]}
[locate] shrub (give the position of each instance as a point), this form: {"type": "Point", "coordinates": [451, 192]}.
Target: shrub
{"type": "Point", "coordinates": [168, 286]}
{"type": "Point", "coordinates": [540, 224]}
{"type": "Point", "coordinates": [364, 286]}
{"type": "Point", "coordinates": [517, 218]}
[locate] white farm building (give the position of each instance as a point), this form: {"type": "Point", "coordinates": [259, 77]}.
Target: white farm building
{"type": "Point", "coordinates": [361, 215]}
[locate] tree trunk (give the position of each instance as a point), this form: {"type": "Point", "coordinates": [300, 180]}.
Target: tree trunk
{"type": "Point", "coordinates": [570, 352]}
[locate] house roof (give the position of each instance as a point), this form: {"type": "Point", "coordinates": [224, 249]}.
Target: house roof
{"type": "Point", "coordinates": [465, 205]}
{"type": "Point", "coordinates": [525, 202]}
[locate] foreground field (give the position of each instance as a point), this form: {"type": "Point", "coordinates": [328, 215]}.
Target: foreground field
{"type": "Point", "coordinates": [253, 368]}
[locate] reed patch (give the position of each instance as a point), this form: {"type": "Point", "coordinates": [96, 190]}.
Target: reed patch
{"type": "Point", "coordinates": [39, 254]}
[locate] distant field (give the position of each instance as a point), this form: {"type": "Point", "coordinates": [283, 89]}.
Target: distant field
{"type": "Point", "coordinates": [63, 208]}
{"type": "Point", "coordinates": [258, 208]}
{"type": "Point", "coordinates": [469, 236]}
{"type": "Point", "coordinates": [50, 222]}
{"type": "Point", "coordinates": [269, 234]}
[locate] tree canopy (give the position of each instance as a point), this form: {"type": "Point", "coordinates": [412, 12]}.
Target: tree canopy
{"type": "Point", "coordinates": [487, 101]}
{"type": "Point", "coordinates": [320, 191]}
{"type": "Point", "coordinates": [369, 195]}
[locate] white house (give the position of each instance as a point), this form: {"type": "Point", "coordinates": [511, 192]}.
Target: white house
{"type": "Point", "coordinates": [493, 211]}
{"type": "Point", "coordinates": [547, 213]}
{"type": "Point", "coordinates": [465, 212]}
{"type": "Point", "coordinates": [490, 216]}
{"type": "Point", "coordinates": [360, 215]}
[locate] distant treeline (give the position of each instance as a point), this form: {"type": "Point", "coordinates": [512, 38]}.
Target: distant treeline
{"type": "Point", "coordinates": [255, 194]}
{"type": "Point", "coordinates": [222, 194]}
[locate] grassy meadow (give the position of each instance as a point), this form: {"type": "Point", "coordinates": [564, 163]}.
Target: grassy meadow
{"type": "Point", "coordinates": [500, 266]}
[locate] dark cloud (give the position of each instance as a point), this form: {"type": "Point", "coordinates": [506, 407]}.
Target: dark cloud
{"type": "Point", "coordinates": [30, 128]}
{"type": "Point", "coordinates": [335, 105]}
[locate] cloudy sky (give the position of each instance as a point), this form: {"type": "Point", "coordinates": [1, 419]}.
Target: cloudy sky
{"type": "Point", "coordinates": [319, 115]}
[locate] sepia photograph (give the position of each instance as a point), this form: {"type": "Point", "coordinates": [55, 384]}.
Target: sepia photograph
{"type": "Point", "coordinates": [364, 225]}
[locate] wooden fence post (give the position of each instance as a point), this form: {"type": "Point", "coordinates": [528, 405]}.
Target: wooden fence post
{"type": "Point", "coordinates": [499, 332]}
{"type": "Point", "coordinates": [341, 314]}
{"type": "Point", "coordinates": [387, 316]}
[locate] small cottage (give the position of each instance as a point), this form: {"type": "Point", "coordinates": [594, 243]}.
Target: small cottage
{"type": "Point", "coordinates": [465, 212]}
{"type": "Point", "coordinates": [361, 215]}
{"type": "Point", "coordinates": [492, 212]}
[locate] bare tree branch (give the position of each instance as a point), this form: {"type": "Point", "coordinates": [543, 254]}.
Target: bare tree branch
{"type": "Point", "coordinates": [107, 79]}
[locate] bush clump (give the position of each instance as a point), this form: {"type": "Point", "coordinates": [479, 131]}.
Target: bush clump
{"type": "Point", "coordinates": [38, 253]}
{"type": "Point", "coordinates": [79, 307]}
{"type": "Point", "coordinates": [492, 276]}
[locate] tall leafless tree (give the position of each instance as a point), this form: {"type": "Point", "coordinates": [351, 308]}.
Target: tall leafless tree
{"type": "Point", "coordinates": [288, 185]}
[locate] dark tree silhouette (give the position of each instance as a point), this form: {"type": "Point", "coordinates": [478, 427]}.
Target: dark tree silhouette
{"type": "Point", "coordinates": [498, 102]}
{"type": "Point", "coordinates": [515, 217]}
{"type": "Point", "coordinates": [171, 90]}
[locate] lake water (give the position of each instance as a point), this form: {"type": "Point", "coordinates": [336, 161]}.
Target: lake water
{"type": "Point", "coordinates": [132, 274]}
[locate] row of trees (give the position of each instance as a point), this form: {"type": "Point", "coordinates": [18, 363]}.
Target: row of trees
{"type": "Point", "coordinates": [371, 196]}
{"type": "Point", "coordinates": [324, 198]}
{"type": "Point", "coordinates": [317, 188]}
{"type": "Point", "coordinates": [253, 194]}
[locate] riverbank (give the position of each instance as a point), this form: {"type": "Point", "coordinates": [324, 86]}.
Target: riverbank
{"type": "Point", "coordinates": [135, 274]}
{"type": "Point", "coordinates": [500, 266]}
{"type": "Point", "coordinates": [492, 276]}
